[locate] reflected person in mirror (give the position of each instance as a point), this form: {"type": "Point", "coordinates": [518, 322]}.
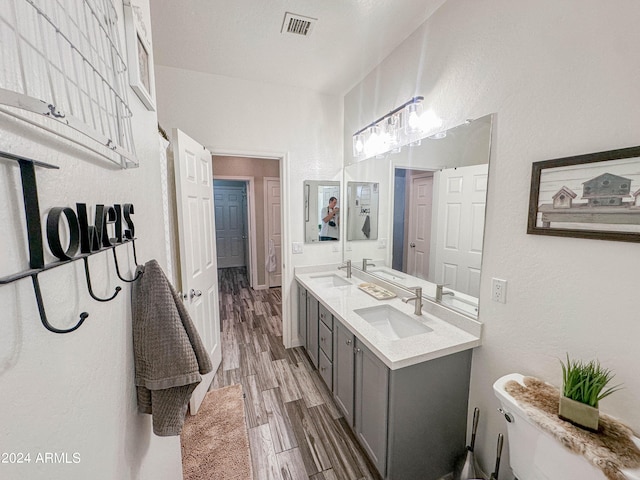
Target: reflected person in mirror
{"type": "Point", "coordinates": [330, 229]}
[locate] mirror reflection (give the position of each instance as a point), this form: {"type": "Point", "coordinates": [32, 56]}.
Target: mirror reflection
{"type": "Point", "coordinates": [321, 211]}
{"type": "Point", "coordinates": [362, 211]}
{"type": "Point", "coordinates": [431, 216]}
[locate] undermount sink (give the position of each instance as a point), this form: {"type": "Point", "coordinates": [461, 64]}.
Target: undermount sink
{"type": "Point", "coordinates": [330, 280]}
{"type": "Point", "coordinates": [391, 322]}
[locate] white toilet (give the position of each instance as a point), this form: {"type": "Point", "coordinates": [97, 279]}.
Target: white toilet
{"type": "Point", "coordinates": [535, 454]}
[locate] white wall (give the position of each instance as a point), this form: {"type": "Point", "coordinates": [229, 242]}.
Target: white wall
{"type": "Point", "coordinates": [75, 392]}
{"type": "Point", "coordinates": [233, 116]}
{"type": "Point", "coordinates": [562, 84]}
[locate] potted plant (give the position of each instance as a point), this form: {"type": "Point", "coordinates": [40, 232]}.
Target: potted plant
{"type": "Point", "coordinates": [583, 386]}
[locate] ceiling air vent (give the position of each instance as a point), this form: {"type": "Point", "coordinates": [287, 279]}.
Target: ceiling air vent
{"type": "Point", "coordinates": [297, 24]}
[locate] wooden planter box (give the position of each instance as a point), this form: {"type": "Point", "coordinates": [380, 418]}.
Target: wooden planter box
{"type": "Point", "coordinates": [579, 414]}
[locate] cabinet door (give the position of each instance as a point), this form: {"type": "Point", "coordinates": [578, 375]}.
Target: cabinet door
{"type": "Point", "coordinates": [302, 315]}
{"type": "Point", "coordinates": [312, 329]}
{"type": "Point", "coordinates": [371, 405]}
{"type": "Point", "coordinates": [343, 370]}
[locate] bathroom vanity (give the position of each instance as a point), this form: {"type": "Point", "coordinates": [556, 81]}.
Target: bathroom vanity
{"type": "Point", "coordinates": [401, 380]}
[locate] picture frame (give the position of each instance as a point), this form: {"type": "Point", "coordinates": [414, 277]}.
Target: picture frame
{"type": "Point", "coordinates": [595, 195]}
{"type": "Point", "coordinates": [139, 57]}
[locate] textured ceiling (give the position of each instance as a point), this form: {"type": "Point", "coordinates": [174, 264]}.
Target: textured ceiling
{"type": "Point", "coordinates": [241, 38]}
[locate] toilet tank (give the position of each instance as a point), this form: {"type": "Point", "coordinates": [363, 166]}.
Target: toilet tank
{"type": "Point", "coordinates": [535, 454]}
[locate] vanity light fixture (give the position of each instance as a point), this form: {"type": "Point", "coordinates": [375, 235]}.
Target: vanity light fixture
{"type": "Point", "coordinates": [404, 125]}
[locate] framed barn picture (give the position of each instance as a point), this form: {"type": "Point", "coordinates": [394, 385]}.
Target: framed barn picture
{"type": "Point", "coordinates": [596, 195]}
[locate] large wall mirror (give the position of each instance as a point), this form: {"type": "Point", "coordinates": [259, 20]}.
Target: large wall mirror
{"type": "Point", "coordinates": [321, 211]}
{"type": "Point", "coordinates": [431, 215]}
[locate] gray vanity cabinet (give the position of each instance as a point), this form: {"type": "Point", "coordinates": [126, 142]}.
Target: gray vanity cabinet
{"type": "Point", "coordinates": [312, 329]}
{"type": "Point", "coordinates": [411, 421]}
{"type": "Point", "coordinates": [302, 314]}
{"type": "Point", "coordinates": [371, 405]}
{"type": "Point", "coordinates": [325, 342]}
{"type": "Point", "coordinates": [343, 370]}
{"type": "Point", "coordinates": [361, 389]}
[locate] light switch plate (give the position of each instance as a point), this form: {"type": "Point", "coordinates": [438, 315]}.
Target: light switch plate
{"type": "Point", "coordinates": [296, 247]}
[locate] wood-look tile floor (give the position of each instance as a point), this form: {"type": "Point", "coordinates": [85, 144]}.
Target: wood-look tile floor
{"type": "Point", "coordinates": [295, 429]}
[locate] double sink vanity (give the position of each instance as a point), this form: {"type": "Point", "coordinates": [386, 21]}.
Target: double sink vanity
{"type": "Point", "coordinates": [400, 379]}
{"type": "Point", "coordinates": [393, 339]}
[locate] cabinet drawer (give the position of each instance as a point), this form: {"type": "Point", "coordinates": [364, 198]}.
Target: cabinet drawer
{"type": "Point", "coordinates": [325, 367]}
{"type": "Point", "coordinates": [326, 317]}
{"type": "Point", "coordinates": [326, 340]}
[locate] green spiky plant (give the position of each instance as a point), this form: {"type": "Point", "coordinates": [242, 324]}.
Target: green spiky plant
{"type": "Point", "coordinates": [586, 382]}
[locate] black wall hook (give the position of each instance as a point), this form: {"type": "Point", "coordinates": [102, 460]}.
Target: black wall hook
{"type": "Point", "coordinates": [43, 314]}
{"type": "Point", "coordinates": [115, 259]}
{"type": "Point", "coordinates": [94, 238]}
{"type": "Point", "coordinates": [93, 295]}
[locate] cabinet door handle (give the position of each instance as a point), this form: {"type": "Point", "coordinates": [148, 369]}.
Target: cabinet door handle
{"type": "Point", "coordinates": [322, 369]}
{"type": "Point", "coordinates": [357, 350]}
{"type": "Point", "coordinates": [322, 339]}
{"type": "Point", "coordinates": [348, 342]}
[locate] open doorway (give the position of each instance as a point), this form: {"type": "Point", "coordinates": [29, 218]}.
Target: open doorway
{"type": "Point", "coordinates": [248, 215]}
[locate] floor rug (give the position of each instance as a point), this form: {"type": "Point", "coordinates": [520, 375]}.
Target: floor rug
{"type": "Point", "coordinates": [215, 443]}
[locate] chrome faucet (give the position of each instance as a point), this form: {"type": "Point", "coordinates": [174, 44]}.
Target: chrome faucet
{"type": "Point", "coordinates": [348, 267]}
{"type": "Point", "coordinates": [440, 292]}
{"type": "Point", "coordinates": [418, 299]}
{"type": "Point", "coordinates": [366, 263]}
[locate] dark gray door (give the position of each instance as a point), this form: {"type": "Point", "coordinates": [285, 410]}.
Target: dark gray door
{"type": "Point", "coordinates": [312, 329]}
{"type": "Point", "coordinates": [372, 401]}
{"type": "Point", "coordinates": [302, 315]}
{"type": "Point", "coordinates": [343, 370]}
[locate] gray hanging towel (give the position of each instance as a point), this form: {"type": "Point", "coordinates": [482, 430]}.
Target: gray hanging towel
{"type": "Point", "coordinates": [272, 262]}
{"type": "Point", "coordinates": [169, 356]}
{"type": "Point", "coordinates": [366, 227]}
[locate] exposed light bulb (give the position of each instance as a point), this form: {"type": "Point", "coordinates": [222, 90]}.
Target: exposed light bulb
{"type": "Point", "coordinates": [413, 113]}
{"type": "Point", "coordinates": [429, 121]}
{"type": "Point", "coordinates": [358, 145]}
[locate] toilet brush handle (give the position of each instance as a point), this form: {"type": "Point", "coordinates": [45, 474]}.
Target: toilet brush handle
{"type": "Point", "coordinates": [476, 417]}
{"type": "Point", "coordinates": [494, 475]}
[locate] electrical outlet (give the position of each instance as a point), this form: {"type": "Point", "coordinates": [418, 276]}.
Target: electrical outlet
{"type": "Point", "coordinates": [336, 247]}
{"type": "Point", "coordinates": [499, 290]}
{"type": "Point", "coordinates": [296, 247]}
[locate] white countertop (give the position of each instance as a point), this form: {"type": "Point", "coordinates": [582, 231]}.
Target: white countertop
{"type": "Point", "coordinates": [455, 334]}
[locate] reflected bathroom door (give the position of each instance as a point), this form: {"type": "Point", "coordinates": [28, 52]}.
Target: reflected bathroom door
{"type": "Point", "coordinates": [461, 205]}
{"type": "Point", "coordinates": [419, 237]}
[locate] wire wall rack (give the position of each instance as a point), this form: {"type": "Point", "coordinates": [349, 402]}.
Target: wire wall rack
{"type": "Point", "coordinates": [64, 71]}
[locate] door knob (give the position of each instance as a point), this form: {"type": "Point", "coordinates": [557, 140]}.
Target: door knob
{"type": "Point", "coordinates": [194, 293]}
{"type": "Point", "coordinates": [348, 342]}
{"type": "Point", "coordinates": [412, 245]}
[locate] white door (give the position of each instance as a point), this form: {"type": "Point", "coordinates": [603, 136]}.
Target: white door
{"type": "Point", "coordinates": [420, 212]}
{"type": "Point", "coordinates": [273, 228]}
{"type": "Point", "coordinates": [245, 235]}
{"type": "Point", "coordinates": [462, 194]}
{"type": "Point", "coordinates": [194, 198]}
{"type": "Point", "coordinates": [230, 222]}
